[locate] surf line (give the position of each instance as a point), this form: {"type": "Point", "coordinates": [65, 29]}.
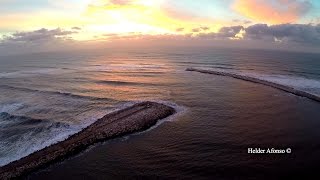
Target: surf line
{"type": "Point", "coordinates": [136, 118]}
{"type": "Point", "coordinates": [259, 81]}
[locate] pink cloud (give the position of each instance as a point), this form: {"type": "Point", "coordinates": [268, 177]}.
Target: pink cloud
{"type": "Point", "coordinates": [273, 11]}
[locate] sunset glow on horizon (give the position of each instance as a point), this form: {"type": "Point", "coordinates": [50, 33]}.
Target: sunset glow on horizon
{"type": "Point", "coordinates": [108, 20]}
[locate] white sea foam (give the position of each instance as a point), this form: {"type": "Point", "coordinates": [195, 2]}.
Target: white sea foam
{"type": "Point", "coordinates": [39, 134]}
{"type": "Point", "coordinates": [180, 110]}
{"type": "Point", "coordinates": [300, 83]}
{"type": "Point", "coordinates": [29, 142]}
{"type": "Point", "coordinates": [309, 85]}
{"type": "Point", "coordinates": [11, 107]}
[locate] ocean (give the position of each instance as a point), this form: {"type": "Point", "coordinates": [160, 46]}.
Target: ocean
{"type": "Point", "coordinates": [46, 97]}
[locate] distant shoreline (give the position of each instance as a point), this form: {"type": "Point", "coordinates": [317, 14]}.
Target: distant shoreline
{"type": "Point", "coordinates": [132, 119]}
{"type": "Point", "coordinates": [259, 81]}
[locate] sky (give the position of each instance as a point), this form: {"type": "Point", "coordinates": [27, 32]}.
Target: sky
{"type": "Point", "coordinates": [290, 24]}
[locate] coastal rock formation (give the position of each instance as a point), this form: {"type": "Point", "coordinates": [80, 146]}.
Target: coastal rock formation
{"type": "Point", "coordinates": [260, 81]}
{"type": "Point", "coordinates": [136, 118]}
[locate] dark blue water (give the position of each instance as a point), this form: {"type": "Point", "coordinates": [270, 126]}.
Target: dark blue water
{"type": "Point", "coordinates": [46, 97]}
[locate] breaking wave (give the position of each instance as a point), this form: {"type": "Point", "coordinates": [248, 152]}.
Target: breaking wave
{"type": "Point", "coordinates": [21, 135]}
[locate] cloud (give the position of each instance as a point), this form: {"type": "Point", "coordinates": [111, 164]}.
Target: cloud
{"type": "Point", "coordinates": [37, 41]}
{"type": "Point", "coordinates": [304, 34]}
{"type": "Point", "coordinates": [200, 29]}
{"type": "Point", "coordinates": [286, 33]}
{"type": "Point", "coordinates": [41, 35]}
{"type": "Point", "coordinates": [179, 29]}
{"type": "Point", "coordinates": [41, 40]}
{"type": "Point", "coordinates": [205, 28]}
{"type": "Point", "coordinates": [76, 28]}
{"type": "Point", "coordinates": [241, 21]}
{"type": "Point", "coordinates": [229, 32]}
{"type": "Point", "coordinates": [272, 11]}
{"type": "Point", "coordinates": [300, 37]}
{"type": "Point", "coordinates": [196, 30]}
{"type": "Point", "coordinates": [225, 33]}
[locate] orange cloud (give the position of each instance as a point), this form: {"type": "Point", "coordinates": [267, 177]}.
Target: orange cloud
{"type": "Point", "coordinates": [273, 11]}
